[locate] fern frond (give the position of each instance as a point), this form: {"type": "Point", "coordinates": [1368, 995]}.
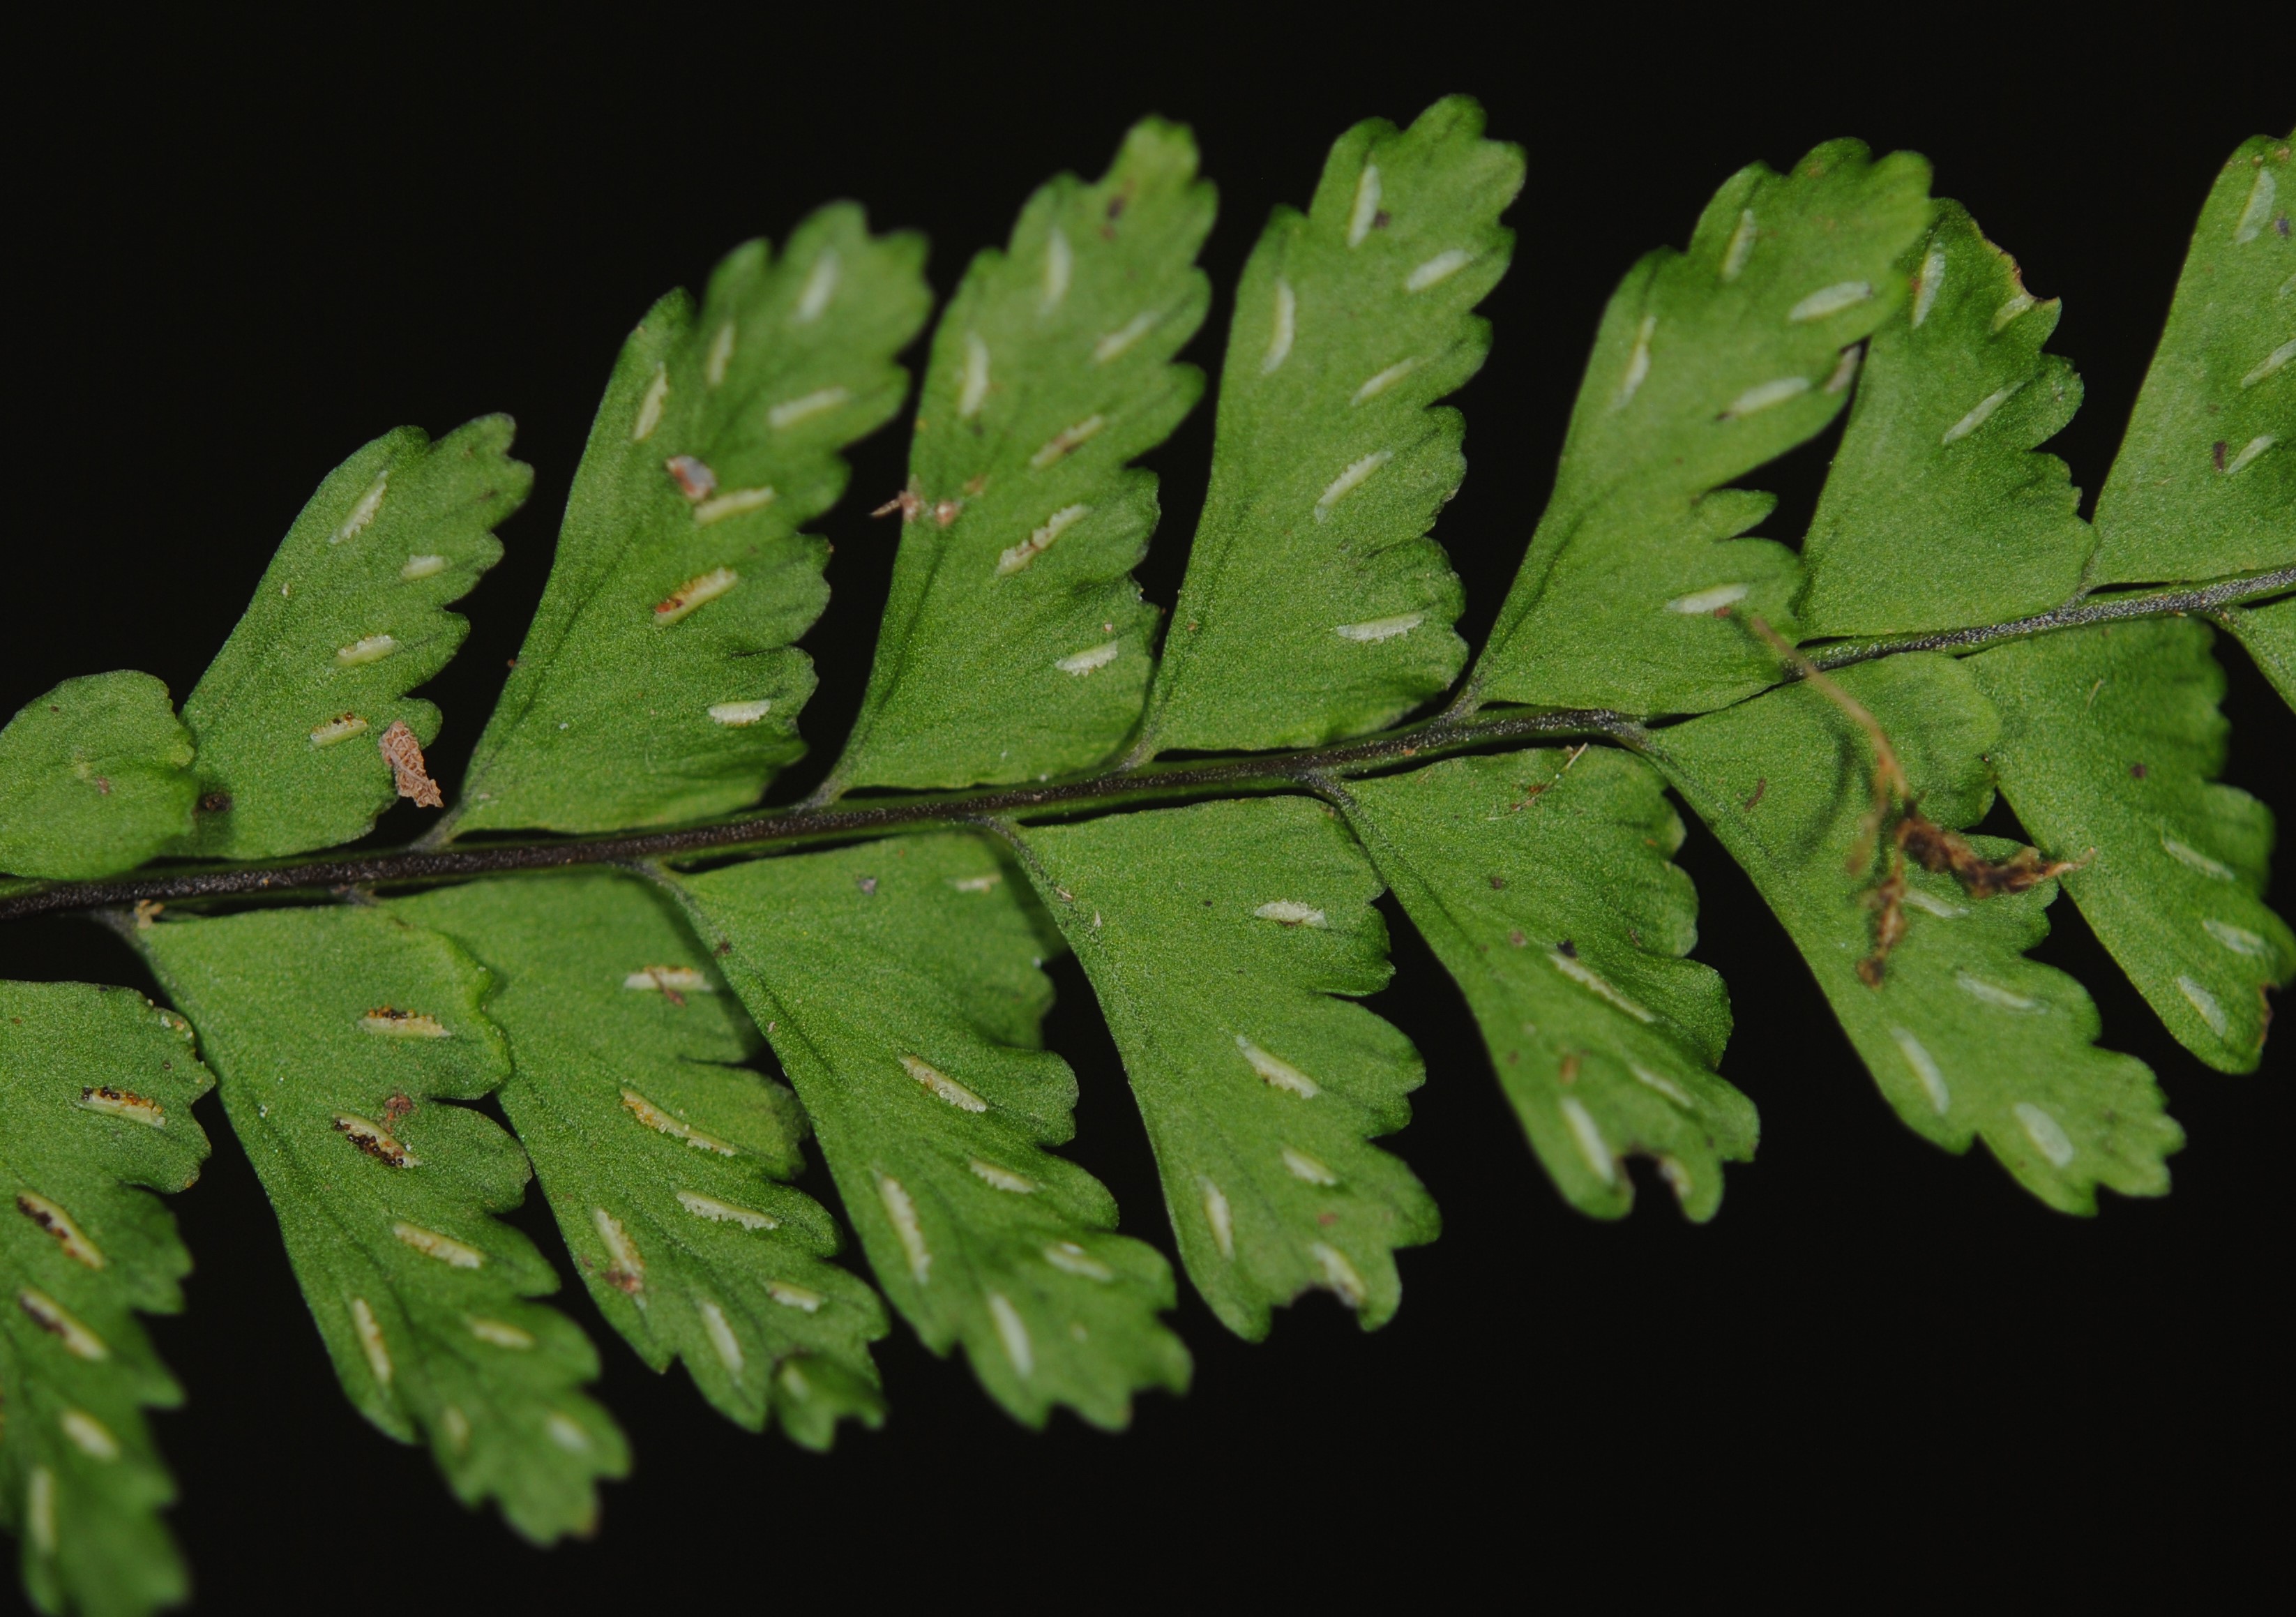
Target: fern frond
{"type": "Point", "coordinates": [2269, 634]}
{"type": "Point", "coordinates": [898, 983]}
{"type": "Point", "coordinates": [95, 776]}
{"type": "Point", "coordinates": [1217, 937]}
{"type": "Point", "coordinates": [2110, 749]}
{"type": "Point", "coordinates": [680, 579]}
{"type": "Point", "coordinates": [1964, 1037]}
{"type": "Point", "coordinates": [2205, 482]}
{"type": "Point", "coordinates": [1936, 511]}
{"type": "Point", "coordinates": [660, 1156]}
{"type": "Point", "coordinates": [1707, 363]}
{"type": "Point", "coordinates": [339, 1038]}
{"type": "Point", "coordinates": [96, 1086]}
{"type": "Point", "coordinates": [349, 618]}
{"type": "Point", "coordinates": [1542, 880]}
{"type": "Point", "coordinates": [1015, 643]}
{"type": "Point", "coordinates": [1314, 605]}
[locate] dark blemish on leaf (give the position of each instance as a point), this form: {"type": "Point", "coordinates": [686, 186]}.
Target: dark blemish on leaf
{"type": "Point", "coordinates": [2215, 453]}
{"type": "Point", "coordinates": [216, 802]}
{"type": "Point", "coordinates": [2137, 771]}
{"type": "Point", "coordinates": [1208, 903]}
{"type": "Point", "coordinates": [1380, 221]}
{"type": "Point", "coordinates": [1634, 936]}
{"type": "Point", "coordinates": [725, 947]}
{"type": "Point", "coordinates": [1570, 1072]}
{"type": "Point", "coordinates": [867, 884]}
{"type": "Point", "coordinates": [1327, 1219]}
{"type": "Point", "coordinates": [1567, 949]}
{"type": "Point", "coordinates": [1497, 882]}
{"type": "Point", "coordinates": [1514, 1057]}
{"type": "Point", "coordinates": [1761, 785]}
{"type": "Point", "coordinates": [1517, 939]}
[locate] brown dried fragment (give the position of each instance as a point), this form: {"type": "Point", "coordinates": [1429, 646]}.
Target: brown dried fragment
{"type": "Point", "coordinates": [394, 1109]}
{"type": "Point", "coordinates": [147, 914]}
{"type": "Point", "coordinates": [946, 511]}
{"type": "Point", "coordinates": [1936, 848]}
{"type": "Point", "coordinates": [696, 482]}
{"type": "Point", "coordinates": [908, 502]}
{"type": "Point", "coordinates": [404, 753]}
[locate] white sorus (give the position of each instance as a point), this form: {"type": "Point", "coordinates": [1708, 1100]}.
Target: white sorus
{"type": "Point", "coordinates": [1090, 658]}
{"type": "Point", "coordinates": [2047, 1135]}
{"type": "Point", "coordinates": [1441, 267]}
{"type": "Point", "coordinates": [807, 407]}
{"type": "Point", "coordinates": [1925, 1069]}
{"type": "Point", "coordinates": [1356, 474]}
{"type": "Point", "coordinates": [1376, 630]}
{"type": "Point", "coordinates": [1830, 301]}
{"type": "Point", "coordinates": [941, 1086]}
{"type": "Point", "coordinates": [1593, 1149]}
{"type": "Point", "coordinates": [375, 648]}
{"type": "Point", "coordinates": [1277, 1072]}
{"type": "Point", "coordinates": [725, 1212]}
{"type": "Point", "coordinates": [820, 286]}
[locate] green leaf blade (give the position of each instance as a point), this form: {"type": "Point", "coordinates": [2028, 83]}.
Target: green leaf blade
{"type": "Point", "coordinates": [96, 1089]}
{"type": "Point", "coordinates": [1937, 513]}
{"type": "Point", "coordinates": [1015, 643]}
{"type": "Point", "coordinates": [1314, 606]}
{"type": "Point", "coordinates": [658, 681]}
{"type": "Point", "coordinates": [660, 1156]}
{"type": "Point", "coordinates": [2269, 634]}
{"type": "Point", "coordinates": [338, 1035]}
{"type": "Point", "coordinates": [2205, 482]}
{"type": "Point", "coordinates": [2110, 749]}
{"type": "Point", "coordinates": [95, 776]}
{"type": "Point", "coordinates": [1708, 362]}
{"type": "Point", "coordinates": [1964, 1037]}
{"type": "Point", "coordinates": [899, 982]}
{"type": "Point", "coordinates": [1543, 881]}
{"type": "Point", "coordinates": [1218, 938]}
{"type": "Point", "coordinates": [349, 618]}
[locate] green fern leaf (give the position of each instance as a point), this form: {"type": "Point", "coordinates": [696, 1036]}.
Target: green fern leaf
{"type": "Point", "coordinates": [898, 984]}
{"type": "Point", "coordinates": [2269, 634]}
{"type": "Point", "coordinates": [659, 1156]}
{"type": "Point", "coordinates": [1217, 937]}
{"type": "Point", "coordinates": [1708, 364]}
{"type": "Point", "coordinates": [2205, 483]}
{"type": "Point", "coordinates": [2110, 748]}
{"type": "Point", "coordinates": [338, 1035]}
{"type": "Point", "coordinates": [681, 578]}
{"type": "Point", "coordinates": [349, 618]}
{"type": "Point", "coordinates": [1015, 643]}
{"type": "Point", "coordinates": [96, 1089]}
{"type": "Point", "coordinates": [1314, 605]}
{"type": "Point", "coordinates": [1964, 1037]}
{"type": "Point", "coordinates": [95, 776]}
{"type": "Point", "coordinates": [1542, 880]}
{"type": "Point", "coordinates": [1935, 515]}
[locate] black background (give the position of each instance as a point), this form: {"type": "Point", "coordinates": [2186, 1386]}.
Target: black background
{"type": "Point", "coordinates": [240, 256]}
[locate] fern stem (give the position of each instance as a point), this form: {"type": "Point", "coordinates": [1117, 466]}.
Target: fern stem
{"type": "Point", "coordinates": [419, 863]}
{"type": "Point", "coordinates": [1312, 769]}
{"type": "Point", "coordinates": [2075, 614]}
